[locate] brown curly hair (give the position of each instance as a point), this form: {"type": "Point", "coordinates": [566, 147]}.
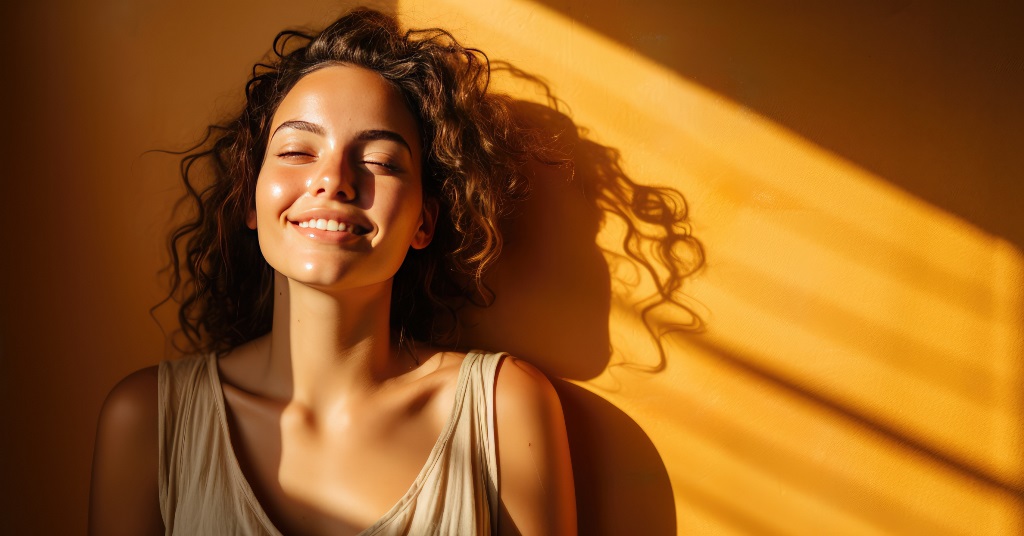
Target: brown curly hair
{"type": "Point", "coordinates": [473, 152]}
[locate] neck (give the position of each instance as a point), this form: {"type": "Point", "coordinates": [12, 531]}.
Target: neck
{"type": "Point", "coordinates": [327, 347]}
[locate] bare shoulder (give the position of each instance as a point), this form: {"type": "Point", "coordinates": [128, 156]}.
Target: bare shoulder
{"type": "Point", "coordinates": [438, 370]}
{"type": "Point", "coordinates": [433, 384]}
{"type": "Point", "coordinates": [519, 383]}
{"type": "Point", "coordinates": [535, 471]}
{"type": "Point", "coordinates": [133, 401]}
{"type": "Point", "coordinates": [440, 360]}
{"type": "Point", "coordinates": [124, 491]}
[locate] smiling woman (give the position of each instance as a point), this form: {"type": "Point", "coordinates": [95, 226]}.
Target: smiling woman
{"type": "Point", "coordinates": [339, 159]}
{"type": "Point", "coordinates": [351, 207]}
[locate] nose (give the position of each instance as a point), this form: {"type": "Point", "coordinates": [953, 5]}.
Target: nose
{"type": "Point", "coordinates": [337, 182]}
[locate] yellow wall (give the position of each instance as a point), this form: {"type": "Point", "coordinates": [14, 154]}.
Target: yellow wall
{"type": "Point", "coordinates": [852, 172]}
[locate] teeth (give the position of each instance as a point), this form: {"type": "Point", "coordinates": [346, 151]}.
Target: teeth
{"type": "Point", "coordinates": [326, 225]}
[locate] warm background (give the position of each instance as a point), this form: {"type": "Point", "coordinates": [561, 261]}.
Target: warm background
{"type": "Point", "coordinates": [853, 170]}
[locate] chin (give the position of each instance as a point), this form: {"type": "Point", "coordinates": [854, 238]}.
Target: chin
{"type": "Point", "coordinates": [336, 277]}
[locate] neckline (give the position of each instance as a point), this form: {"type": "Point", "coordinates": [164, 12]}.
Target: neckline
{"type": "Point", "coordinates": [407, 498]}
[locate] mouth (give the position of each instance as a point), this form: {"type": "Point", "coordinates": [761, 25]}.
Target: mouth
{"type": "Point", "coordinates": [333, 226]}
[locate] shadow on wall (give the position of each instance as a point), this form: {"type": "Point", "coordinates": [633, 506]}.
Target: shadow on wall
{"type": "Point", "coordinates": [925, 94]}
{"type": "Point", "coordinates": [553, 287]}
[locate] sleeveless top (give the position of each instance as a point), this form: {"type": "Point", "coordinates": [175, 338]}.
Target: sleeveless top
{"type": "Point", "coordinates": [203, 490]}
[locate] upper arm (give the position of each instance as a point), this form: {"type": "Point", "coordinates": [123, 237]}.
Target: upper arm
{"type": "Point", "coordinates": [124, 496]}
{"type": "Point", "coordinates": [535, 472]}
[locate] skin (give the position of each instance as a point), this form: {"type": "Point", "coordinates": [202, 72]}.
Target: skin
{"type": "Point", "coordinates": [330, 422]}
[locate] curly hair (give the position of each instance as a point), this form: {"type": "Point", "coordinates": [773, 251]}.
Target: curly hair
{"type": "Point", "coordinates": [474, 150]}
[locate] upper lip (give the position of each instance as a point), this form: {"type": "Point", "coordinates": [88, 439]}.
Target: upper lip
{"type": "Point", "coordinates": [325, 213]}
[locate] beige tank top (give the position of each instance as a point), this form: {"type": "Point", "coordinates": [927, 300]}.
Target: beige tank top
{"type": "Point", "coordinates": [203, 490]}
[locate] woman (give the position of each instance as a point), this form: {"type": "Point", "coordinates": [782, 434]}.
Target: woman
{"type": "Point", "coordinates": [353, 207]}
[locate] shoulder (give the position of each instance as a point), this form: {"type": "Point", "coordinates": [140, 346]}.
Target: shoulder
{"type": "Point", "coordinates": [523, 390]}
{"type": "Point", "coordinates": [525, 401]}
{"type": "Point", "coordinates": [133, 401]}
{"type": "Point", "coordinates": [437, 370]}
{"type": "Point", "coordinates": [535, 471]}
{"type": "Point", "coordinates": [518, 378]}
{"type": "Point", "coordinates": [128, 421]}
{"type": "Point", "coordinates": [124, 491]}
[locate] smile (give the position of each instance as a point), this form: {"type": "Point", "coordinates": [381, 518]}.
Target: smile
{"type": "Point", "coordinates": [332, 225]}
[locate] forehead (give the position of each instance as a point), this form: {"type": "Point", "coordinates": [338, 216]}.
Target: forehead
{"type": "Point", "coordinates": [345, 99]}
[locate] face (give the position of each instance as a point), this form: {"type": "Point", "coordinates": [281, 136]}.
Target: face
{"type": "Point", "coordinates": [339, 198]}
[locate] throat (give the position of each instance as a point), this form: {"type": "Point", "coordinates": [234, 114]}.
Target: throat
{"type": "Point", "coordinates": [330, 342]}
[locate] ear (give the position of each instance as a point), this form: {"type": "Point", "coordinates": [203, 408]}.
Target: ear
{"type": "Point", "coordinates": [428, 219]}
{"type": "Point", "coordinates": [250, 219]}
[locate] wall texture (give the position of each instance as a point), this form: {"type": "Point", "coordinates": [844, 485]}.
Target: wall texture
{"type": "Point", "coordinates": [849, 357]}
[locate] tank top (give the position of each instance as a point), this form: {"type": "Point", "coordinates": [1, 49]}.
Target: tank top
{"type": "Point", "coordinates": [203, 490]}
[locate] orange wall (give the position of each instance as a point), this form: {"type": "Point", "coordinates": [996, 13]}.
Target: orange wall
{"type": "Point", "coordinates": [852, 172]}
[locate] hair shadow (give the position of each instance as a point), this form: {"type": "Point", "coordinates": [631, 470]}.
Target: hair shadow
{"type": "Point", "coordinates": [553, 296]}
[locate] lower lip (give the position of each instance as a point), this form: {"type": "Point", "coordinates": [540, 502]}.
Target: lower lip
{"type": "Point", "coordinates": [323, 235]}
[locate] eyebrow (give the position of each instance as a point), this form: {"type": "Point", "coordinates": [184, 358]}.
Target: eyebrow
{"type": "Point", "coordinates": [301, 125]}
{"type": "Point", "coordinates": [373, 135]}
{"type": "Point", "coordinates": [366, 135]}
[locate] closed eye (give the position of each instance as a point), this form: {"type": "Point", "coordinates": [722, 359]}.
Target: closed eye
{"type": "Point", "coordinates": [386, 165]}
{"type": "Point", "coordinates": [296, 157]}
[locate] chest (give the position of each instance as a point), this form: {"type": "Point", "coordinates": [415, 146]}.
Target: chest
{"type": "Point", "coordinates": [337, 475]}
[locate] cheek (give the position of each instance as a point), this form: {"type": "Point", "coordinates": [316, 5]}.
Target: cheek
{"type": "Point", "coordinates": [269, 187]}
{"type": "Point", "coordinates": [276, 192]}
{"type": "Point", "coordinates": [406, 204]}
{"type": "Point", "coordinates": [271, 194]}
